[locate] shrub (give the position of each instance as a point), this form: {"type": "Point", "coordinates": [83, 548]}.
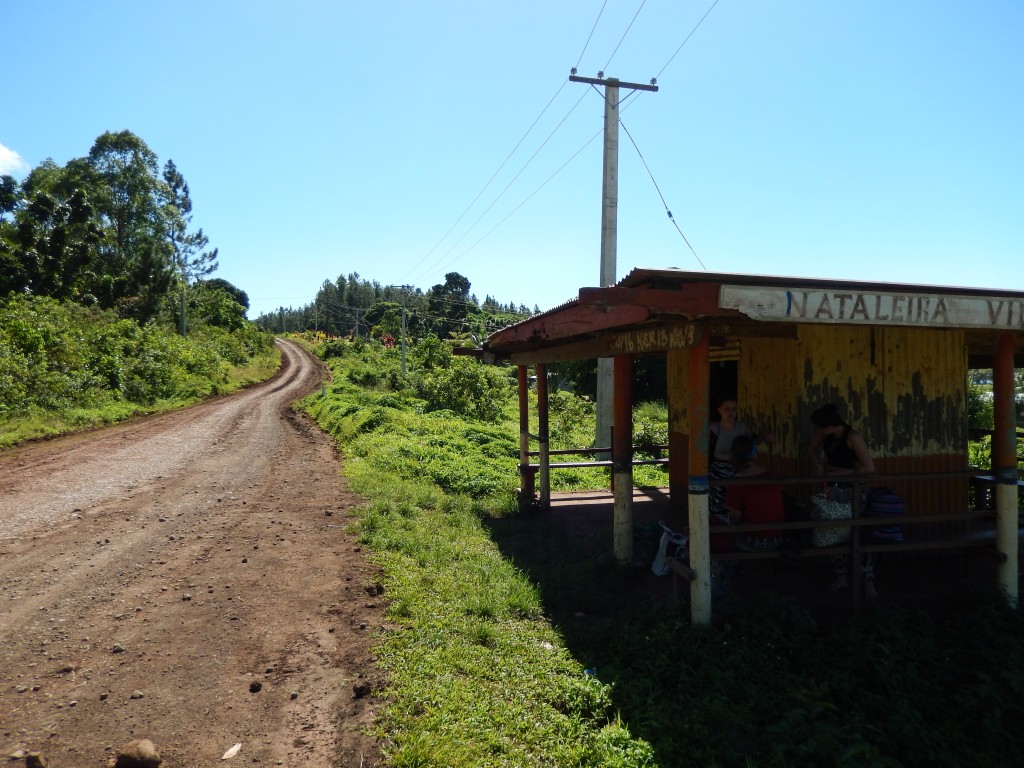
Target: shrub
{"type": "Point", "coordinates": [430, 353]}
{"type": "Point", "coordinates": [466, 388]}
{"type": "Point", "coordinates": [64, 359]}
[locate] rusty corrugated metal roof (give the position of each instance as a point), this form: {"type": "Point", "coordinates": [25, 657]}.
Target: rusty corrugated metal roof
{"type": "Point", "coordinates": [646, 275]}
{"type": "Point", "coordinates": [667, 278]}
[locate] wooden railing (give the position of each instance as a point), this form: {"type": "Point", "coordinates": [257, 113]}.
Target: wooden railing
{"type": "Point", "coordinates": [971, 535]}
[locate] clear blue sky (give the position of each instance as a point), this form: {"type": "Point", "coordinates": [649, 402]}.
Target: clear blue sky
{"type": "Point", "coordinates": [861, 139]}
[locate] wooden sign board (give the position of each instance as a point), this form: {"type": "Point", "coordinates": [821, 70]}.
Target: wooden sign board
{"type": "Point", "coordinates": [852, 307]}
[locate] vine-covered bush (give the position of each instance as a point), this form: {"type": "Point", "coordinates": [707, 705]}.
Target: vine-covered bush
{"type": "Point", "coordinates": [466, 388]}
{"type": "Point", "coordinates": [58, 356]}
{"type": "Point", "coordinates": [44, 354]}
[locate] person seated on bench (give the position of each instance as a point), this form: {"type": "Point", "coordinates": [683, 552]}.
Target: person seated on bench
{"type": "Point", "coordinates": [722, 432]}
{"type": "Point", "coordinates": [839, 449]}
{"type": "Point", "coordinates": [755, 503]}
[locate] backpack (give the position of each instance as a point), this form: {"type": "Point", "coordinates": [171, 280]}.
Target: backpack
{"type": "Point", "coordinates": [883, 502]}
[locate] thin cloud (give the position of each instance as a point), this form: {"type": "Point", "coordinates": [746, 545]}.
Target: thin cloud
{"type": "Point", "coordinates": [11, 162]}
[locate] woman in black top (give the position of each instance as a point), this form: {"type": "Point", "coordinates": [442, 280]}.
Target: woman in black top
{"type": "Point", "coordinates": [839, 449]}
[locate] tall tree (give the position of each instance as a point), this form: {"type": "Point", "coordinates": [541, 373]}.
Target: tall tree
{"type": "Point", "coordinates": [236, 293]}
{"type": "Point", "coordinates": [191, 261]}
{"type": "Point", "coordinates": [451, 307]}
{"type": "Point", "coordinates": [135, 257]}
{"type": "Point", "coordinates": [50, 240]}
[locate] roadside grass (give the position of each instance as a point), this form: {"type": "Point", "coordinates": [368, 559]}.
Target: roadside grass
{"type": "Point", "coordinates": [109, 408]}
{"type": "Point", "coordinates": [510, 644]}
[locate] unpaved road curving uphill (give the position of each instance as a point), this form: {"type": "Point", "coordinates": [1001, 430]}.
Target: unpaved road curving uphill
{"type": "Point", "coordinates": [188, 579]}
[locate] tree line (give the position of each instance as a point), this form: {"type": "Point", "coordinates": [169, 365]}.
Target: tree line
{"type": "Point", "coordinates": [114, 231]}
{"type": "Point", "coordinates": [355, 307]}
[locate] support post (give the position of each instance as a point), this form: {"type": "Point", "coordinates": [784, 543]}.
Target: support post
{"type": "Point", "coordinates": [622, 459]}
{"type": "Point", "coordinates": [698, 482]}
{"type": "Point", "coordinates": [1004, 466]}
{"type": "Point", "coordinates": [542, 435]}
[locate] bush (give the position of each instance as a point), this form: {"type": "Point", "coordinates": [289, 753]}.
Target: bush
{"type": "Point", "coordinates": [466, 388]}
{"type": "Point", "coordinates": [430, 353]}
{"type": "Point", "coordinates": [61, 359]}
{"type": "Point", "coordinates": [45, 354]}
{"type": "Point", "coordinates": [650, 426]}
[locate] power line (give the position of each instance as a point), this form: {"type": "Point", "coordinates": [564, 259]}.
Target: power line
{"type": "Point", "coordinates": [599, 14]}
{"type": "Point", "coordinates": [493, 176]}
{"type": "Point", "coordinates": [507, 187]}
{"type": "Point", "coordinates": [524, 202]}
{"type": "Point", "coordinates": [624, 34]}
{"type": "Point", "coordinates": [533, 125]}
{"type": "Point", "coordinates": [413, 270]}
{"type": "Point", "coordinates": [709, 10]}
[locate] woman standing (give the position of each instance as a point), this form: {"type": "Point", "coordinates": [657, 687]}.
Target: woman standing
{"type": "Point", "coordinates": [842, 447]}
{"type": "Point", "coordinates": [838, 449]}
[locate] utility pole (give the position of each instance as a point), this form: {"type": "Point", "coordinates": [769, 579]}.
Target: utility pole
{"type": "Point", "coordinates": [184, 327]}
{"type": "Point", "coordinates": [405, 294]}
{"type": "Point", "coordinates": [609, 229]}
{"type": "Point", "coordinates": [403, 335]}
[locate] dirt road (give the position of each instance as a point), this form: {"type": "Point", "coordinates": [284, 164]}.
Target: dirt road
{"type": "Point", "coordinates": [188, 579]}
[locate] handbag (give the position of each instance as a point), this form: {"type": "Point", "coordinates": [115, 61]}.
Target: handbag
{"type": "Point", "coordinates": [882, 502]}
{"type": "Point", "coordinates": [831, 504]}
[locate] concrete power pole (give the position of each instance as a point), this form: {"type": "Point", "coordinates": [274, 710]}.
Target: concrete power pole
{"type": "Point", "coordinates": [609, 230]}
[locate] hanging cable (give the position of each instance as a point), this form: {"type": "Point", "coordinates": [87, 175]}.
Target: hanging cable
{"type": "Point", "coordinates": [509, 185]}
{"type": "Point", "coordinates": [493, 177]}
{"type": "Point", "coordinates": [671, 218]}
{"type": "Point", "coordinates": [528, 198]}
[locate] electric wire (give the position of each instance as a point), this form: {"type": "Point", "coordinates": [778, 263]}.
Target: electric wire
{"type": "Point", "coordinates": [643, 2]}
{"type": "Point", "coordinates": [599, 14]}
{"type": "Point", "coordinates": [685, 41]}
{"type": "Point", "coordinates": [413, 271]}
{"type": "Point", "coordinates": [494, 202]}
{"type": "Point", "coordinates": [489, 181]}
{"type": "Point", "coordinates": [528, 198]}
{"type": "Point", "coordinates": [653, 181]}
{"type": "Point", "coordinates": [623, 104]}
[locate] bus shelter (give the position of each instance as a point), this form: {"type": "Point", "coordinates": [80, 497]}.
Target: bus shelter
{"type": "Point", "coordinates": [893, 357]}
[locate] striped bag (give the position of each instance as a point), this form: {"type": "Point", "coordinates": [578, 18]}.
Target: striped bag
{"type": "Point", "coordinates": [882, 502]}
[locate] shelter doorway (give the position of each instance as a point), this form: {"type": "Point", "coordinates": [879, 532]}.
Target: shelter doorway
{"type": "Point", "coordinates": [723, 382]}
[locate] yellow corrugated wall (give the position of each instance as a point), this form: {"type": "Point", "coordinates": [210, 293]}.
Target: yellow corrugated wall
{"type": "Point", "coordinates": [903, 388]}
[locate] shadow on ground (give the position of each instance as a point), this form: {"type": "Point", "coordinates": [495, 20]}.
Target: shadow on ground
{"type": "Point", "coordinates": [617, 619]}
